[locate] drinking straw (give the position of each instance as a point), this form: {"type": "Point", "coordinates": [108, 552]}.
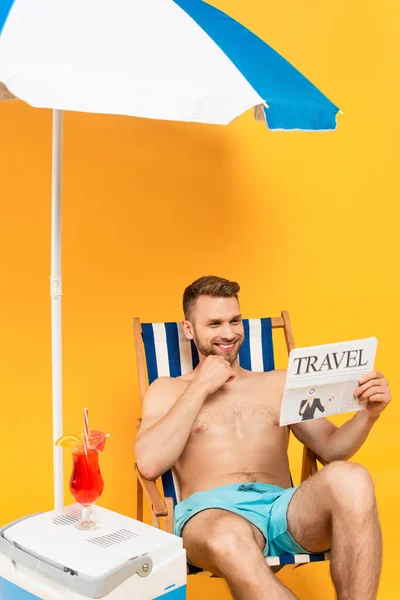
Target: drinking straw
{"type": "Point", "coordinates": [85, 430]}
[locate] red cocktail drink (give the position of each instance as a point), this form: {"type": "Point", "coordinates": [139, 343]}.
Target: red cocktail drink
{"type": "Point", "coordinates": [86, 483]}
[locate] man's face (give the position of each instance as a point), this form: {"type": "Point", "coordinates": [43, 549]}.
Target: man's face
{"type": "Point", "coordinates": [216, 327]}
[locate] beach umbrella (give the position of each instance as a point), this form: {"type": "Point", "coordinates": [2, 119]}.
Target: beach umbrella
{"type": "Point", "coordinates": [180, 60]}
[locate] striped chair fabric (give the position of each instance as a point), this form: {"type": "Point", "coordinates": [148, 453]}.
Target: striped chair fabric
{"type": "Point", "coordinates": [169, 353]}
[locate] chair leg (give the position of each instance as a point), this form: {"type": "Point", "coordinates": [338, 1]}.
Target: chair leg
{"type": "Point", "coordinates": [139, 501]}
{"type": "Point", "coordinates": [169, 519]}
{"type": "Point", "coordinates": [309, 465]}
{"type": "Point", "coordinates": [155, 521]}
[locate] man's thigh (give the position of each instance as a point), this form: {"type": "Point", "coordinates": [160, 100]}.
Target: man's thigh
{"type": "Point", "coordinates": [212, 528]}
{"type": "Point", "coordinates": [309, 513]}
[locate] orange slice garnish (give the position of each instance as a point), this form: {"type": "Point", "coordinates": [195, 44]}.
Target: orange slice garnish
{"type": "Point", "coordinates": [68, 441]}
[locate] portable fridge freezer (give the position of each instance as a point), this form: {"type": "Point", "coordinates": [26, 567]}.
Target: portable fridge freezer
{"type": "Point", "coordinates": [44, 557]}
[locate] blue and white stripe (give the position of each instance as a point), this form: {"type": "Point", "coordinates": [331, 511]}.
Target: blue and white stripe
{"type": "Point", "coordinates": [296, 560]}
{"type": "Point", "coordinates": [180, 60]}
{"type": "Point", "coordinates": [170, 353]}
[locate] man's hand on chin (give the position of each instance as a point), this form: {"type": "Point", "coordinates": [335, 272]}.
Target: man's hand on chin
{"type": "Point", "coordinates": [374, 388]}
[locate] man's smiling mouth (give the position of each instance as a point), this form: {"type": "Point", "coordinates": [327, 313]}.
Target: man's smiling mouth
{"type": "Point", "coordinates": [226, 347]}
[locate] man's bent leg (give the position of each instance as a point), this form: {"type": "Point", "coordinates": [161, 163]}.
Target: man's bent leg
{"type": "Point", "coordinates": [336, 507]}
{"type": "Point", "coordinates": [229, 546]}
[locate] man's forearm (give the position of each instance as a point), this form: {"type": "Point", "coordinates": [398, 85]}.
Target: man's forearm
{"type": "Point", "coordinates": [158, 449]}
{"type": "Point", "coordinates": [349, 438]}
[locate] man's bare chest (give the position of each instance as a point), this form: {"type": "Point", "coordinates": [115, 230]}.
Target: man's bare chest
{"type": "Point", "coordinates": [241, 411]}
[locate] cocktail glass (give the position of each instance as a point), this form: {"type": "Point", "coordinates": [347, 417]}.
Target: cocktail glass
{"type": "Point", "coordinates": [86, 485]}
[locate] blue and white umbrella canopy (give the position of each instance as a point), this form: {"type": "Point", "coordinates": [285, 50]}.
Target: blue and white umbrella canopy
{"type": "Point", "coordinates": [180, 60]}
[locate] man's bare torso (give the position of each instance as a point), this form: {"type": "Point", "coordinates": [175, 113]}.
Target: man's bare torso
{"type": "Point", "coordinates": [236, 436]}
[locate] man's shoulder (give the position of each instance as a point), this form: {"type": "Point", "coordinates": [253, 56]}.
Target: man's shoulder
{"type": "Point", "coordinates": [170, 385]}
{"type": "Point", "coordinates": [164, 389]}
{"type": "Point", "coordinates": [276, 376]}
{"type": "Point", "coordinates": [273, 380]}
{"type": "Point", "coordinates": [165, 382]}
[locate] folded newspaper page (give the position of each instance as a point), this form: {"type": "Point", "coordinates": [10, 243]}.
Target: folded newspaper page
{"type": "Point", "coordinates": [321, 380]}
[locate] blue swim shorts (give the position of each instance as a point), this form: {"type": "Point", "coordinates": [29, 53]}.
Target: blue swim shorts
{"type": "Point", "coordinates": [262, 504]}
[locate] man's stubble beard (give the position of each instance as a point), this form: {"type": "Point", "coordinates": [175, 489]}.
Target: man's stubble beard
{"type": "Point", "coordinates": [211, 349]}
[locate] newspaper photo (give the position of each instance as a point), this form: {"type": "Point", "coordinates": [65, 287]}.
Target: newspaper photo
{"type": "Point", "coordinates": [321, 380]}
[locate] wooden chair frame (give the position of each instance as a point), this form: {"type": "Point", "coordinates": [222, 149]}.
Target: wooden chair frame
{"type": "Point", "coordinates": [5, 94]}
{"type": "Point", "coordinates": [164, 507]}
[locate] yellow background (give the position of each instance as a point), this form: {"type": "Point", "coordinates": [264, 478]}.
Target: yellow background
{"type": "Point", "coordinates": [305, 222]}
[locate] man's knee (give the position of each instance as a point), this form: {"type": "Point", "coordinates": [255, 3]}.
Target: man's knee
{"type": "Point", "coordinates": [221, 539]}
{"type": "Point", "coordinates": [350, 485]}
{"type": "Point", "coordinates": [232, 540]}
{"type": "Point", "coordinates": [224, 545]}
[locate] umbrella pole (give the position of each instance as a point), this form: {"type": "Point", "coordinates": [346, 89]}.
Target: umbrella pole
{"type": "Point", "coordinates": [56, 294]}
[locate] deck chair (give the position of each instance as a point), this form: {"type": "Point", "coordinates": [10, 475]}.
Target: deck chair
{"type": "Point", "coordinates": [167, 352]}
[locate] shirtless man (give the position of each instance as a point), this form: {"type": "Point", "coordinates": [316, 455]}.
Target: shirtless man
{"type": "Point", "coordinates": [219, 427]}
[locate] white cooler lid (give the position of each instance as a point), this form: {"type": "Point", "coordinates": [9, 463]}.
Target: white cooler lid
{"type": "Point", "coordinates": [51, 537]}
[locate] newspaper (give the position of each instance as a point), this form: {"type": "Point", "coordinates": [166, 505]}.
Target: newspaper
{"type": "Point", "coordinates": [321, 380]}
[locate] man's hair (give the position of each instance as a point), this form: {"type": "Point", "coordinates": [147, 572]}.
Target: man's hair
{"type": "Point", "coordinates": [210, 285]}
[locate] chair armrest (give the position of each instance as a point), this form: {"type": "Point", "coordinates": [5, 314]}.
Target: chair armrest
{"type": "Point", "coordinates": [309, 463]}
{"type": "Point", "coordinates": [157, 501]}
